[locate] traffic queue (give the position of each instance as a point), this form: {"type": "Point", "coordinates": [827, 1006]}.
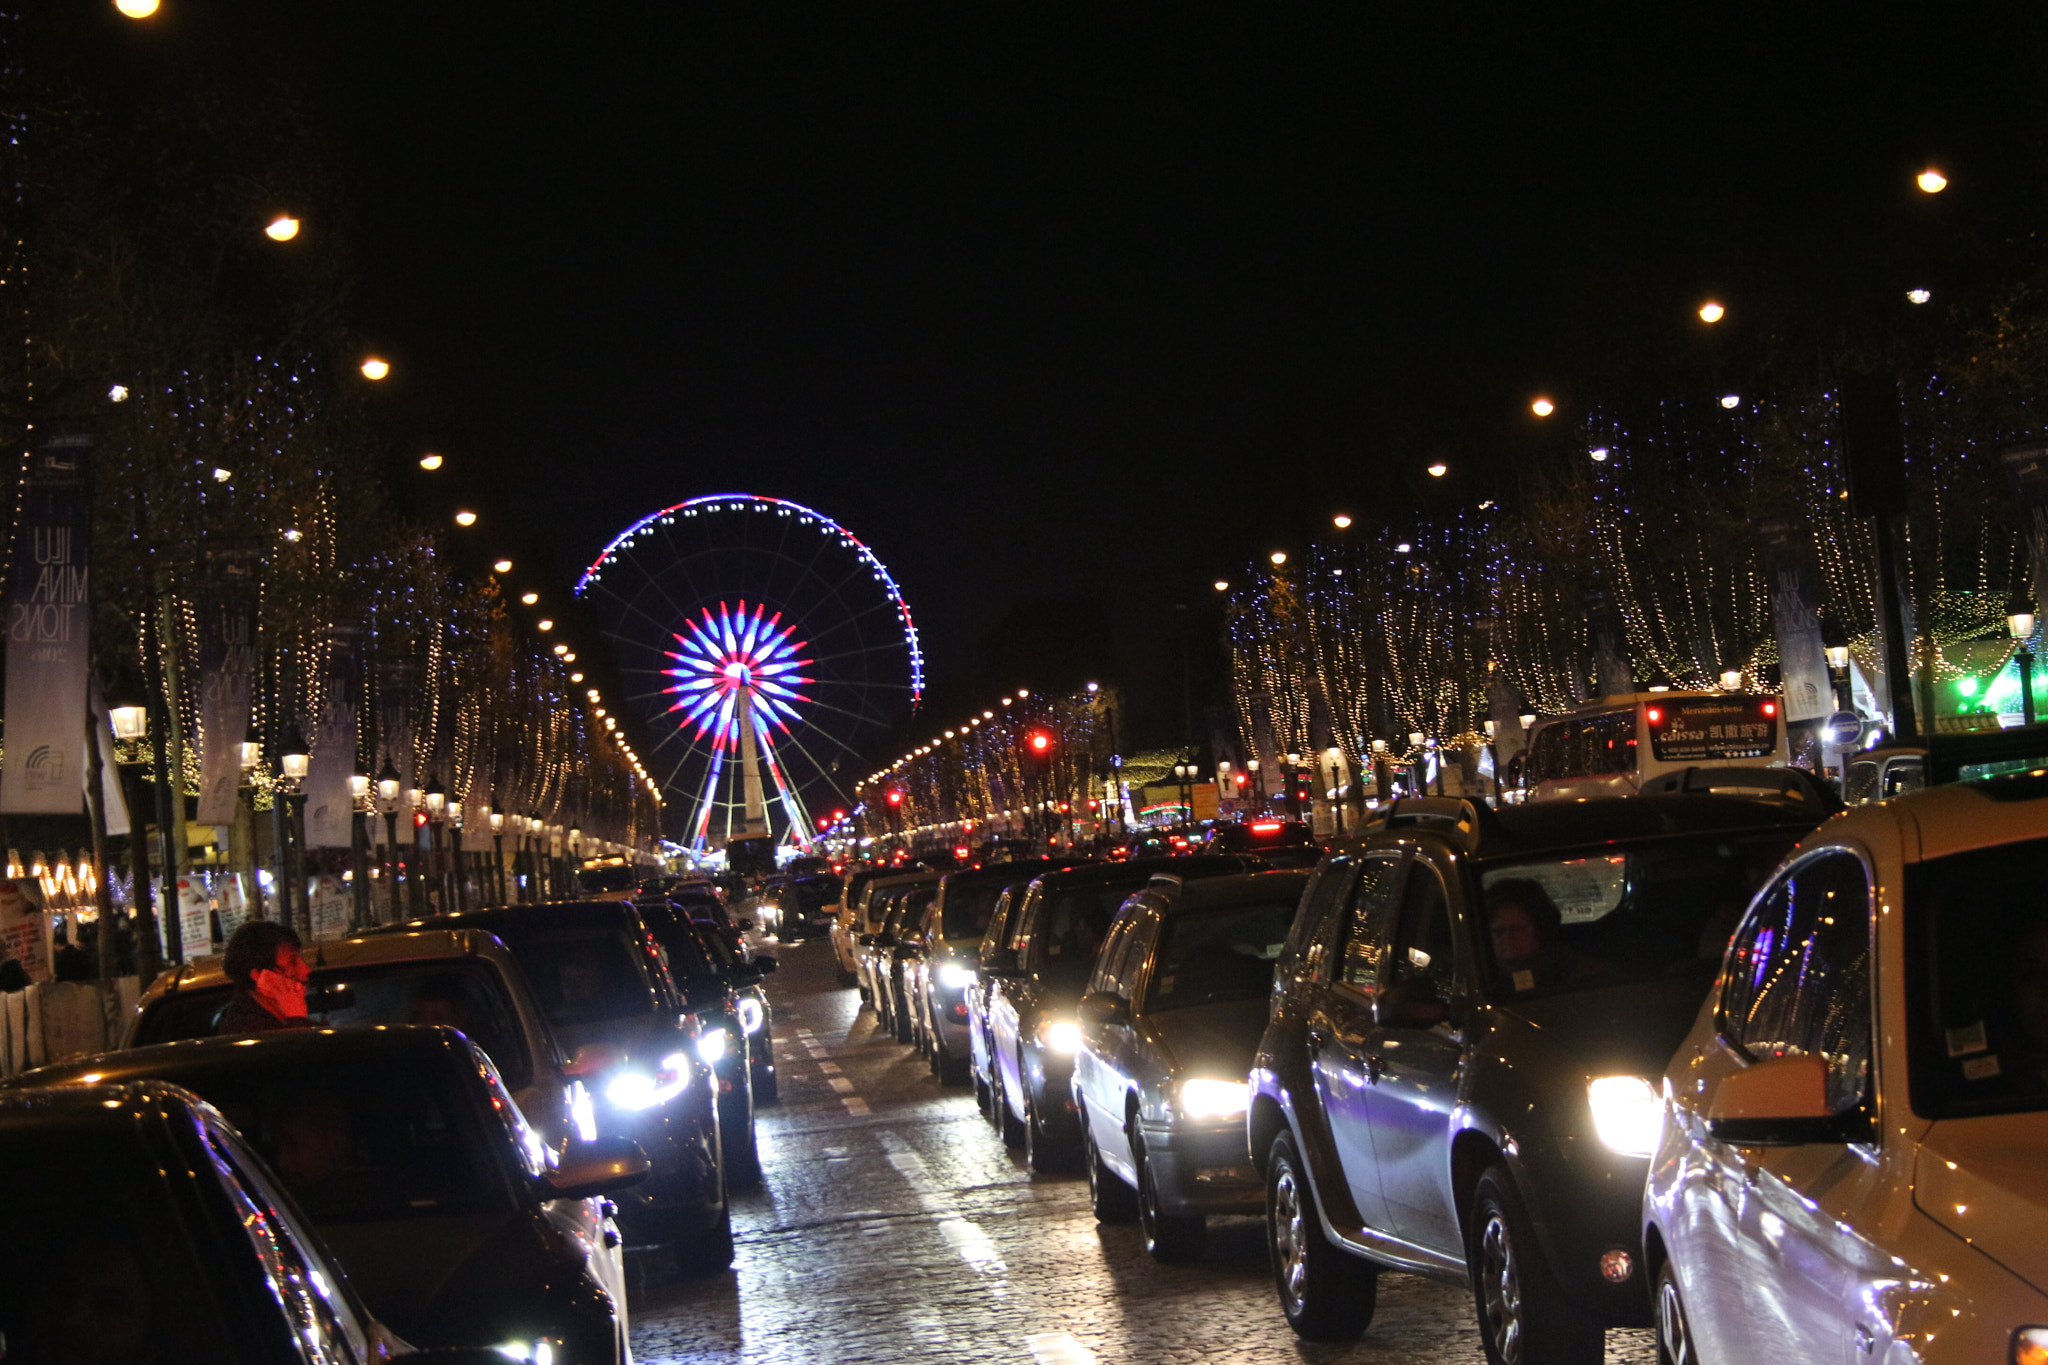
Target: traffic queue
{"type": "Point", "coordinates": [1719, 1058]}
{"type": "Point", "coordinates": [434, 1139]}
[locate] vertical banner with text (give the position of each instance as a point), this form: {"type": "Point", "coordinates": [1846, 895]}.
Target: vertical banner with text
{"type": "Point", "coordinates": [1793, 570]}
{"type": "Point", "coordinates": [48, 646]}
{"type": "Point", "coordinates": [330, 810]}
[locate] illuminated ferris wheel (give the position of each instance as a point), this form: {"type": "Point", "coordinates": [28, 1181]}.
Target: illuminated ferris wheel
{"type": "Point", "coordinates": [761, 641]}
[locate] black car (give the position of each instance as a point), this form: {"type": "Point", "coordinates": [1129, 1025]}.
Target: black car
{"type": "Point", "coordinates": [1037, 974]}
{"type": "Point", "coordinates": [137, 1218]}
{"type": "Point", "coordinates": [1282, 843]}
{"type": "Point", "coordinates": [405, 1152]}
{"type": "Point", "coordinates": [716, 978]}
{"type": "Point", "coordinates": [1468, 1021]}
{"type": "Point", "coordinates": [598, 973]}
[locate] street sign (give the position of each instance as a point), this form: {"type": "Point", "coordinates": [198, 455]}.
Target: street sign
{"type": "Point", "coordinates": [1842, 729]}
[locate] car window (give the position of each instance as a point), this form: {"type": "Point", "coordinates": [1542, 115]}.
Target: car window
{"type": "Point", "coordinates": [1904, 775]}
{"type": "Point", "coordinates": [1421, 956]}
{"type": "Point", "coordinates": [584, 976]}
{"type": "Point", "coordinates": [1326, 885]}
{"type": "Point", "coordinates": [328, 1329]}
{"type": "Point", "coordinates": [968, 909]}
{"type": "Point", "coordinates": [1109, 964]}
{"type": "Point", "coordinates": [103, 1249]}
{"type": "Point", "coordinates": [1069, 929]}
{"type": "Point", "coordinates": [1798, 974]}
{"type": "Point", "coordinates": [1860, 785]}
{"type": "Point", "coordinates": [1977, 982]}
{"type": "Point", "coordinates": [1023, 917]}
{"type": "Point", "coordinates": [1630, 912]}
{"type": "Point", "coordinates": [1222, 954]}
{"type": "Point", "coordinates": [463, 993]}
{"type": "Point", "coordinates": [367, 1141]}
{"type": "Point", "coordinates": [998, 933]}
{"type": "Point", "coordinates": [1368, 905]}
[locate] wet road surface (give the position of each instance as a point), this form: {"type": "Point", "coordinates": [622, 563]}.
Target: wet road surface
{"type": "Point", "coordinates": [893, 1225]}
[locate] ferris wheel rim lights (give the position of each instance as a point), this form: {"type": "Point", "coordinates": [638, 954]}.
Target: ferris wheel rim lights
{"type": "Point", "coordinates": [735, 502]}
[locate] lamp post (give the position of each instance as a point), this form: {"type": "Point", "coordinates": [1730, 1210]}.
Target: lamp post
{"type": "Point", "coordinates": [460, 872]}
{"type": "Point", "coordinates": [498, 855]}
{"type": "Point", "coordinates": [1335, 757]}
{"type": "Point", "coordinates": [387, 797]}
{"type": "Point", "coordinates": [130, 719]}
{"type": "Point", "coordinates": [1251, 765]}
{"type": "Point", "coordinates": [358, 852]}
{"type": "Point", "coordinates": [249, 754]}
{"type": "Point", "coordinates": [286, 809]}
{"type": "Point", "coordinates": [1185, 773]}
{"type": "Point", "coordinates": [1292, 776]}
{"type": "Point", "coordinates": [2019, 618]}
{"type": "Point", "coordinates": [412, 803]}
{"type": "Point", "coordinates": [436, 797]}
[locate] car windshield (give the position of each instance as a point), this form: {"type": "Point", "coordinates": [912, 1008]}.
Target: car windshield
{"type": "Point", "coordinates": [1221, 954]}
{"type": "Point", "coordinates": [366, 1140]}
{"type": "Point", "coordinates": [970, 907]}
{"type": "Point", "coordinates": [462, 993]}
{"type": "Point", "coordinates": [108, 1260]}
{"type": "Point", "coordinates": [1584, 920]}
{"type": "Point", "coordinates": [584, 976]}
{"type": "Point", "coordinates": [1977, 982]}
{"type": "Point", "coordinates": [597, 879]}
{"type": "Point", "coordinates": [687, 956]}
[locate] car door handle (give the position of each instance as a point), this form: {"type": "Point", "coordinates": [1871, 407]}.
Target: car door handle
{"type": "Point", "coordinates": [1318, 1037]}
{"type": "Point", "coordinates": [1375, 1067]}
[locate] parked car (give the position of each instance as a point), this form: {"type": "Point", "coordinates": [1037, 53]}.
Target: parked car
{"type": "Point", "coordinates": [804, 905]}
{"type": "Point", "coordinates": [1169, 1026]}
{"type": "Point", "coordinates": [948, 941]}
{"type": "Point", "coordinates": [717, 980]}
{"type": "Point", "coordinates": [598, 974]}
{"type": "Point", "coordinates": [1454, 1079]}
{"type": "Point", "coordinates": [453, 1219]}
{"type": "Point", "coordinates": [1855, 1134]}
{"type": "Point", "coordinates": [858, 915]}
{"type": "Point", "coordinates": [465, 978]}
{"type": "Point", "coordinates": [1279, 843]}
{"type": "Point", "coordinates": [879, 917]}
{"type": "Point", "coordinates": [896, 953]}
{"type": "Point", "coordinates": [1898, 766]}
{"type": "Point", "coordinates": [1036, 977]}
{"type": "Point", "coordinates": [169, 1231]}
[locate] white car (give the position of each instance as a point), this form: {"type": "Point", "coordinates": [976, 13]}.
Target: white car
{"type": "Point", "coordinates": [1853, 1157]}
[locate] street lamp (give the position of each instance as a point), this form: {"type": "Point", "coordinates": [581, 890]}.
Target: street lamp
{"type": "Point", "coordinates": [388, 783]}
{"type": "Point", "coordinates": [287, 809]}
{"type": "Point", "coordinates": [358, 851]}
{"type": "Point", "coordinates": [1185, 774]}
{"type": "Point", "coordinates": [2019, 618]}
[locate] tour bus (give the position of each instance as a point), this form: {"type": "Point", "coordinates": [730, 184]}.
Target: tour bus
{"type": "Point", "coordinates": [1611, 746]}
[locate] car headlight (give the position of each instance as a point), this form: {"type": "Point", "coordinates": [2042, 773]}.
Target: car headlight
{"type": "Point", "coordinates": [1627, 1114]}
{"type": "Point", "coordinates": [636, 1090]}
{"type": "Point", "coordinates": [1060, 1035]}
{"type": "Point", "coordinates": [1203, 1099]}
{"type": "Point", "coordinates": [711, 1046]}
{"type": "Point", "coordinates": [539, 1353]}
{"type": "Point", "coordinates": [955, 977]}
{"type": "Point", "coordinates": [2030, 1346]}
{"type": "Point", "coordinates": [752, 1016]}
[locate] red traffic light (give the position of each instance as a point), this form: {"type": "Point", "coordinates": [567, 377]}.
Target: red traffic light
{"type": "Point", "coordinates": [895, 798]}
{"type": "Point", "coordinates": [1039, 741]}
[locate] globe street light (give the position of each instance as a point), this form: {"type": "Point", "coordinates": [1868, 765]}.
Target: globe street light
{"type": "Point", "coordinates": [1712, 312]}
{"type": "Point", "coordinates": [1931, 181]}
{"type": "Point", "coordinates": [2019, 619]}
{"type": "Point", "coordinates": [282, 228]}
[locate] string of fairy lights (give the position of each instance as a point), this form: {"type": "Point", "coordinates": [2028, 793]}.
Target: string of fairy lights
{"type": "Point", "coordinates": [1396, 633]}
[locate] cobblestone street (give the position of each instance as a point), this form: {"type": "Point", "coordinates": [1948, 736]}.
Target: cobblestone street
{"type": "Point", "coordinates": [892, 1224]}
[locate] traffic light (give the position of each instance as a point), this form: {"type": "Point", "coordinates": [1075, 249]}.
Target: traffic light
{"type": "Point", "coordinates": [895, 796]}
{"type": "Point", "coordinates": [1039, 743]}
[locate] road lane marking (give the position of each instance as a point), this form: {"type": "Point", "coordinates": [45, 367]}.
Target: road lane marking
{"type": "Point", "coordinates": [829, 1068]}
{"type": "Point", "coordinates": [975, 1246]}
{"type": "Point", "coordinates": [1058, 1348]}
{"type": "Point", "coordinates": [855, 1104]}
{"type": "Point", "coordinates": [840, 1084]}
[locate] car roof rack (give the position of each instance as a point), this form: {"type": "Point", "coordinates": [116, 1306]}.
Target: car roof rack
{"type": "Point", "coordinates": [1446, 814]}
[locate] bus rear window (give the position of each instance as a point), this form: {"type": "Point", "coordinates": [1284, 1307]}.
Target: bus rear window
{"type": "Point", "coordinates": [1712, 729]}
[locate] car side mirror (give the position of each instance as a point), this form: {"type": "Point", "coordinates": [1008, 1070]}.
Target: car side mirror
{"type": "Point", "coordinates": [765, 964]}
{"type": "Point", "coordinates": [1102, 1009]}
{"type": "Point", "coordinates": [591, 1059]}
{"type": "Point", "coordinates": [600, 1166]}
{"type": "Point", "coordinates": [1001, 962]}
{"type": "Point", "coordinates": [1780, 1102]}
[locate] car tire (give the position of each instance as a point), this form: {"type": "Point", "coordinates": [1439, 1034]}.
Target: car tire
{"type": "Point", "coordinates": [1006, 1122]}
{"type": "Point", "coordinates": [707, 1253]}
{"type": "Point", "coordinates": [767, 1086]}
{"type": "Point", "coordinates": [901, 1019]}
{"type": "Point", "coordinates": [1109, 1199]}
{"type": "Point", "coordinates": [1524, 1317]}
{"type": "Point", "coordinates": [983, 1092]}
{"type": "Point", "coordinates": [1674, 1330]}
{"type": "Point", "coordinates": [1170, 1238]}
{"type": "Point", "coordinates": [1042, 1151]}
{"type": "Point", "coordinates": [949, 1069]}
{"type": "Point", "coordinates": [1326, 1293]}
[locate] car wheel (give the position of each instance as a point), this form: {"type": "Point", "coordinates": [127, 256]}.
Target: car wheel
{"type": "Point", "coordinates": [1524, 1318]}
{"type": "Point", "coordinates": [1170, 1238]}
{"type": "Point", "coordinates": [1109, 1199]}
{"type": "Point", "coordinates": [1674, 1333]}
{"type": "Point", "coordinates": [983, 1093]}
{"type": "Point", "coordinates": [707, 1253]}
{"type": "Point", "coordinates": [1042, 1151]}
{"type": "Point", "coordinates": [901, 1019]}
{"type": "Point", "coordinates": [951, 1070]}
{"type": "Point", "coordinates": [1326, 1293]}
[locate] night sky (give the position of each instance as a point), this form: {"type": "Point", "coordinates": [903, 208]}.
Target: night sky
{"type": "Point", "coordinates": [1068, 311]}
